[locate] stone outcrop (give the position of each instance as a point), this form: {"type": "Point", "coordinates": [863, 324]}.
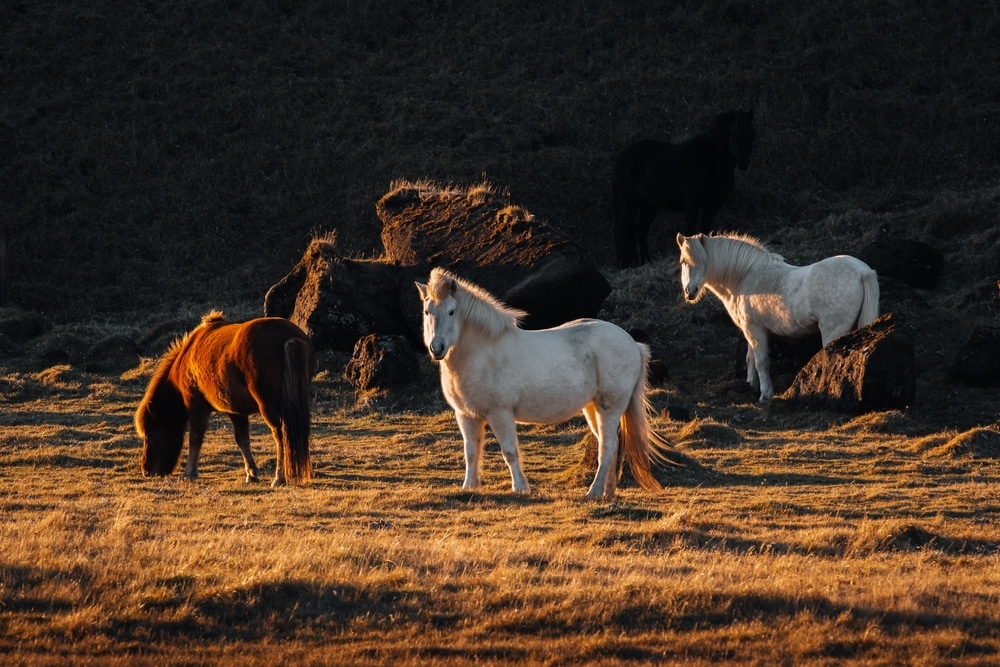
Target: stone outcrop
{"type": "Point", "coordinates": [868, 369]}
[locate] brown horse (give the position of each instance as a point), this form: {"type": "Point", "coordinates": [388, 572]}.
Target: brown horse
{"type": "Point", "coordinates": [261, 366]}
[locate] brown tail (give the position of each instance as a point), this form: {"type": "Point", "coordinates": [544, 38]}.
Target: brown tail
{"type": "Point", "coordinates": [638, 440]}
{"type": "Point", "coordinates": [295, 413]}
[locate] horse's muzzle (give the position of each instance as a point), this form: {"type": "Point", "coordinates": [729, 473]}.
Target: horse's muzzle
{"type": "Point", "coordinates": [437, 350]}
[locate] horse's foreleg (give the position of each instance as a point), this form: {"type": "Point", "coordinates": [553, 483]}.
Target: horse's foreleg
{"type": "Point", "coordinates": [505, 431]}
{"type": "Point", "coordinates": [752, 377]}
{"type": "Point", "coordinates": [473, 438]}
{"type": "Point", "coordinates": [757, 342]}
{"type": "Point", "coordinates": [198, 426]}
{"type": "Point", "coordinates": [241, 432]}
{"type": "Point", "coordinates": [646, 215]}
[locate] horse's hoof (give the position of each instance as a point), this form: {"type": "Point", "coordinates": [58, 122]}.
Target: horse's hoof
{"type": "Point", "coordinates": [252, 479]}
{"type": "Point", "coordinates": [277, 482]}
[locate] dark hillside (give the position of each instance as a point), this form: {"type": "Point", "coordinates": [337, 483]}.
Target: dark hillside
{"type": "Point", "coordinates": [163, 154]}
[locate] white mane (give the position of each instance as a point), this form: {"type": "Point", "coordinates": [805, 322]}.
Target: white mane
{"type": "Point", "coordinates": [731, 256]}
{"type": "Point", "coordinates": [475, 305]}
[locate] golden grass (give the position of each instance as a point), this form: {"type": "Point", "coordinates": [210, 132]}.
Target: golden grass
{"type": "Point", "coordinates": [845, 544]}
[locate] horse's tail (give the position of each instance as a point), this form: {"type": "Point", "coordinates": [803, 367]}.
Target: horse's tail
{"type": "Point", "coordinates": [640, 444]}
{"type": "Point", "coordinates": [869, 302]}
{"type": "Point", "coordinates": [295, 411]}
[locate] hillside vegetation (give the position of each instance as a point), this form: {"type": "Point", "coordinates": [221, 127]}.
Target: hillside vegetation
{"type": "Point", "coordinates": [157, 154]}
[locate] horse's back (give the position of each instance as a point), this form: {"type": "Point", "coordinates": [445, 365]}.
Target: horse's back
{"type": "Point", "coordinates": [258, 346]}
{"type": "Point", "coordinates": [544, 375]}
{"type": "Point", "coordinates": [233, 364]}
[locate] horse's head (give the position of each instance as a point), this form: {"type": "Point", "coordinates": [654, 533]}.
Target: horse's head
{"type": "Point", "coordinates": [440, 315]}
{"type": "Point", "coordinates": [741, 138]}
{"type": "Point", "coordinates": [693, 264]}
{"type": "Point", "coordinates": [160, 422]}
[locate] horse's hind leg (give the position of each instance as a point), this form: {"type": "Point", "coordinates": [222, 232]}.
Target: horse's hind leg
{"type": "Point", "coordinates": [505, 431]}
{"type": "Point", "coordinates": [473, 438]}
{"type": "Point", "coordinates": [241, 431]}
{"type": "Point", "coordinates": [596, 424]}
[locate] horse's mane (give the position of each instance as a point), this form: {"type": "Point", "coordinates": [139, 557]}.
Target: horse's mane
{"type": "Point", "coordinates": [475, 305]}
{"type": "Point", "coordinates": [733, 255]}
{"type": "Point", "coordinates": [170, 356]}
{"type": "Point", "coordinates": [212, 317]}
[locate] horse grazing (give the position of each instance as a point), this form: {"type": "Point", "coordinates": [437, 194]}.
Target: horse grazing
{"type": "Point", "coordinates": [692, 177]}
{"type": "Point", "coordinates": [261, 366]}
{"type": "Point", "coordinates": [493, 372]}
{"type": "Point", "coordinates": [763, 294]}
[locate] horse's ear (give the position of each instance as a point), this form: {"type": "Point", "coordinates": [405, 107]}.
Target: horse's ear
{"type": "Point", "coordinates": [422, 288]}
{"type": "Point", "coordinates": [453, 287]}
{"type": "Point", "coordinates": [680, 240]}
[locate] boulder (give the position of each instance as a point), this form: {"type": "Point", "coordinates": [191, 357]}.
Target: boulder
{"type": "Point", "coordinates": [382, 362]}
{"type": "Point", "coordinates": [479, 235]}
{"type": "Point", "coordinates": [338, 301]}
{"type": "Point", "coordinates": [474, 232]}
{"type": "Point", "coordinates": [977, 363]}
{"type": "Point", "coordinates": [868, 369]}
{"type": "Point", "coordinates": [914, 262]}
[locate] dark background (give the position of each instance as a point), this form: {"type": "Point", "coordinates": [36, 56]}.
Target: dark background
{"type": "Point", "coordinates": [159, 155]}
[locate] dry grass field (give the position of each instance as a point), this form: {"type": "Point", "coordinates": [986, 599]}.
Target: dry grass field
{"type": "Point", "coordinates": [791, 545]}
{"type": "Point", "coordinates": [162, 159]}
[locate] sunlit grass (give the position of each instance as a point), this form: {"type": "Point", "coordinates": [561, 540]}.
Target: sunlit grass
{"type": "Point", "coordinates": [839, 545]}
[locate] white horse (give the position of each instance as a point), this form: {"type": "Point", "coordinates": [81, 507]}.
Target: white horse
{"type": "Point", "coordinates": [763, 293]}
{"type": "Point", "coordinates": [493, 372]}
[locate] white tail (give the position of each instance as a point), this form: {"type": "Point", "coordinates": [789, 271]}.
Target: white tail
{"type": "Point", "coordinates": [869, 304]}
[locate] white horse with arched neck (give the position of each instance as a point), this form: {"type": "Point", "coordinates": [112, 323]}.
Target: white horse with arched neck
{"type": "Point", "coordinates": [764, 294]}
{"type": "Point", "coordinates": [493, 372]}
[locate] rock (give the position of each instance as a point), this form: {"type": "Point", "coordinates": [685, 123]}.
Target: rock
{"type": "Point", "coordinates": [479, 235]}
{"type": "Point", "coordinates": [977, 363]}
{"type": "Point", "coordinates": [868, 369]}
{"type": "Point", "coordinates": [382, 362]}
{"type": "Point", "coordinates": [338, 301]}
{"type": "Point", "coordinates": [474, 232]}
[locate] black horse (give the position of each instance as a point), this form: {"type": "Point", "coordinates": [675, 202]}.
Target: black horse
{"type": "Point", "coordinates": [693, 176]}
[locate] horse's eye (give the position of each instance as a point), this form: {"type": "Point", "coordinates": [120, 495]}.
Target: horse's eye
{"type": "Point", "coordinates": [451, 313]}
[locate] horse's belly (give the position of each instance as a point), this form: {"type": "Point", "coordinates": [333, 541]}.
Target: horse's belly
{"type": "Point", "coordinates": [547, 412]}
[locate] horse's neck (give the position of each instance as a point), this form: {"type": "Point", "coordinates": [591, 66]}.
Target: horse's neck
{"type": "Point", "coordinates": [718, 136]}
{"type": "Point", "coordinates": [727, 275]}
